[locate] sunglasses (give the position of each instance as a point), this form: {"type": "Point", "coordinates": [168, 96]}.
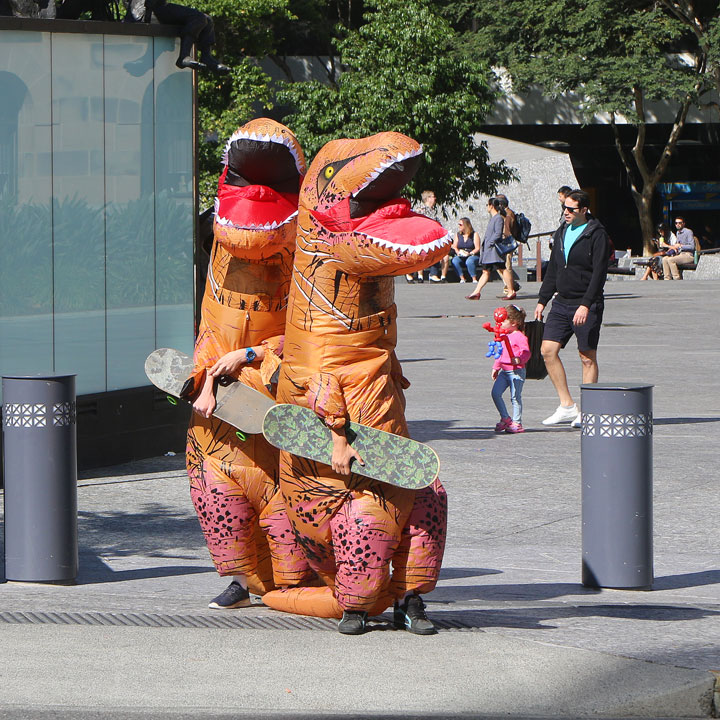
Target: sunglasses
{"type": "Point", "coordinates": [570, 209]}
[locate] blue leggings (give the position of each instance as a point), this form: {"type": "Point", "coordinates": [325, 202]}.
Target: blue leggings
{"type": "Point", "coordinates": [513, 379]}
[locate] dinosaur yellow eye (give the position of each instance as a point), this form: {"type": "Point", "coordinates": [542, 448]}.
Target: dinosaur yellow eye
{"type": "Point", "coordinates": [329, 172]}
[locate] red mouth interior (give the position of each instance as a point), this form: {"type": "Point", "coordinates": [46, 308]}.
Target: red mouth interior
{"type": "Point", "coordinates": [254, 204]}
{"type": "Point", "coordinates": [393, 221]}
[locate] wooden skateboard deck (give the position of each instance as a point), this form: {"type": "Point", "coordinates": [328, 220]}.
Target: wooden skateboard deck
{"type": "Point", "coordinates": [237, 404]}
{"type": "Point", "coordinates": [389, 458]}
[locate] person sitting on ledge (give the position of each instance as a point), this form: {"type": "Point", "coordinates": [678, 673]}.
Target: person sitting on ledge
{"type": "Point", "coordinates": [195, 28]}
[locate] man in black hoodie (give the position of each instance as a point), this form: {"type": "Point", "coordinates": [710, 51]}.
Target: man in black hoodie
{"type": "Point", "coordinates": [576, 272]}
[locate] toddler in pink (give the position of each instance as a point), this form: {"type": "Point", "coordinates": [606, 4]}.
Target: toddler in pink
{"type": "Point", "coordinates": [509, 371]}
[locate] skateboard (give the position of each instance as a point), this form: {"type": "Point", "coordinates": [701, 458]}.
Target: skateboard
{"type": "Point", "coordinates": [388, 457]}
{"type": "Point", "coordinates": [237, 404]}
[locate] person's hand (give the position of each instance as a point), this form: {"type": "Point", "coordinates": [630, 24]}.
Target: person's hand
{"type": "Point", "coordinates": [343, 453]}
{"type": "Point", "coordinates": [229, 364]}
{"type": "Point", "coordinates": [580, 316]}
{"type": "Point", "coordinates": [539, 309]}
{"type": "Point", "coordinates": [515, 360]}
{"type": "Point", "coordinates": [495, 373]}
{"type": "Point", "coordinates": [204, 404]}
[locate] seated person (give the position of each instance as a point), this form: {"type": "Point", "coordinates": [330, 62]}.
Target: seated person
{"type": "Point", "coordinates": [195, 27]}
{"type": "Point", "coordinates": [684, 251]}
{"type": "Point", "coordinates": [467, 248]}
{"type": "Point", "coordinates": [664, 240]}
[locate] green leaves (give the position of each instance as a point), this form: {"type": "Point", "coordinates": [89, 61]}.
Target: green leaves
{"type": "Point", "coordinates": [401, 71]}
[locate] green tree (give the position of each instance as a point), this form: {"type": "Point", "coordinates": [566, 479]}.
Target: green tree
{"type": "Point", "coordinates": [401, 71]}
{"type": "Point", "coordinates": [619, 56]}
{"type": "Point", "coordinates": [245, 30]}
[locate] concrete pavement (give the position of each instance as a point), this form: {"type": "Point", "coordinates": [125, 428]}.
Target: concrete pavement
{"type": "Point", "coordinates": [520, 636]}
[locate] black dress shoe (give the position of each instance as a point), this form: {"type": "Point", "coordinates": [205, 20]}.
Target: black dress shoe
{"type": "Point", "coordinates": [214, 65]}
{"type": "Point", "coordinates": [190, 64]}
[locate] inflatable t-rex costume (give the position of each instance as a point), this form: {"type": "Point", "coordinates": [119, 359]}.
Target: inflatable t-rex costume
{"type": "Point", "coordinates": [234, 482]}
{"type": "Point", "coordinates": [354, 233]}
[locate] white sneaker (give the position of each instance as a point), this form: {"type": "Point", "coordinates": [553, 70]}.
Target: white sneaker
{"type": "Point", "coordinates": [577, 422]}
{"type": "Point", "coordinates": [562, 415]}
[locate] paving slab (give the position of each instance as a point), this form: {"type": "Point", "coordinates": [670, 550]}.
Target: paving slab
{"type": "Point", "coordinates": [520, 636]}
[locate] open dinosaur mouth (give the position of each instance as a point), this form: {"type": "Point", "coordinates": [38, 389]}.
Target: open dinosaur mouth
{"type": "Point", "coordinates": [375, 211]}
{"type": "Point", "coordinates": [259, 187]}
{"type": "Point", "coordinates": [254, 207]}
{"type": "Point", "coordinates": [384, 183]}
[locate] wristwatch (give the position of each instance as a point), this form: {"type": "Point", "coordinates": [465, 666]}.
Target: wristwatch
{"type": "Point", "coordinates": [250, 355]}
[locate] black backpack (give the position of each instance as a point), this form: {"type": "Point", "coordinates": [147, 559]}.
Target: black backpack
{"type": "Point", "coordinates": [522, 228]}
{"type": "Point", "coordinates": [535, 367]}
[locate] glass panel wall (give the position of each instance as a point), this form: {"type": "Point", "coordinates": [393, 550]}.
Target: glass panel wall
{"type": "Point", "coordinates": [78, 208]}
{"type": "Point", "coordinates": [96, 205]}
{"type": "Point", "coordinates": [173, 198]}
{"type": "Point", "coordinates": [26, 271]}
{"type": "Point", "coordinates": [130, 222]}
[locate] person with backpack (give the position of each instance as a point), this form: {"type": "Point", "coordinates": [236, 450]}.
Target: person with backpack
{"type": "Point", "coordinates": [576, 276]}
{"type": "Point", "coordinates": [510, 229]}
{"type": "Point", "coordinates": [490, 257]}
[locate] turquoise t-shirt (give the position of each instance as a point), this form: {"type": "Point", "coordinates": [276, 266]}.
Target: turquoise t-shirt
{"type": "Point", "coordinates": [571, 235]}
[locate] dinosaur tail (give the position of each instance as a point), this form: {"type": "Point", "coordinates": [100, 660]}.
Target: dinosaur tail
{"type": "Point", "coordinates": [316, 602]}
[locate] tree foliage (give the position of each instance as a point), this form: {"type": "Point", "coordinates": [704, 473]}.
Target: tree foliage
{"type": "Point", "coordinates": [616, 55]}
{"type": "Point", "coordinates": [401, 71]}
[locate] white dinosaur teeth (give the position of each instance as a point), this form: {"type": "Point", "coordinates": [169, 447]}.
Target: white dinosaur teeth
{"type": "Point", "coordinates": [413, 249]}
{"type": "Point", "coordinates": [274, 225]}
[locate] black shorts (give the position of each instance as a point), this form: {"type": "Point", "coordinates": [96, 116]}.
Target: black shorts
{"type": "Point", "coordinates": [493, 266]}
{"type": "Point", "coordinates": [559, 325]}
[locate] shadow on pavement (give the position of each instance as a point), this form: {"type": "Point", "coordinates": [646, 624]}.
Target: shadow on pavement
{"type": "Point", "coordinates": [537, 617]}
{"type": "Point", "coordinates": [452, 573]}
{"type": "Point", "coordinates": [684, 420]}
{"type": "Point", "coordinates": [94, 570]}
{"type": "Point", "coordinates": [696, 579]}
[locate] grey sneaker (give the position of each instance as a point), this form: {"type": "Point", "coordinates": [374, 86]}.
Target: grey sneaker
{"type": "Point", "coordinates": [354, 622]}
{"type": "Point", "coordinates": [234, 596]}
{"type": "Point", "coordinates": [411, 616]}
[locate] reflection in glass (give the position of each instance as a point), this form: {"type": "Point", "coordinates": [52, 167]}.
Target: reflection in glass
{"type": "Point", "coordinates": [25, 214]}
{"type": "Point", "coordinates": [173, 200]}
{"type": "Point", "coordinates": [79, 208]}
{"type": "Point", "coordinates": [129, 221]}
{"type": "Point", "coordinates": [96, 205]}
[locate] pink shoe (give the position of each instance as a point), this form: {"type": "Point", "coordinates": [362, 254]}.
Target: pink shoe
{"type": "Point", "coordinates": [503, 425]}
{"type": "Point", "coordinates": [514, 427]}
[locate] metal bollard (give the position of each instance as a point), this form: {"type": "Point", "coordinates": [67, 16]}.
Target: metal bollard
{"type": "Point", "coordinates": [616, 451]}
{"type": "Point", "coordinates": [40, 468]}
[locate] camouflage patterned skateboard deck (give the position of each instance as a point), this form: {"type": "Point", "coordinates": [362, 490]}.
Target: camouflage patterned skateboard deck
{"type": "Point", "coordinates": [389, 458]}
{"type": "Point", "coordinates": [237, 404]}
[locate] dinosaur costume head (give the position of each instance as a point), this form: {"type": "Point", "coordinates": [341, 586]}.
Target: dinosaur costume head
{"type": "Point", "coordinates": [256, 204]}
{"type": "Point", "coordinates": [351, 213]}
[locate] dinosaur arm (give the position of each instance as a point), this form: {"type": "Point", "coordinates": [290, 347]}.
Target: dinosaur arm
{"type": "Point", "coordinates": [273, 349]}
{"type": "Point", "coordinates": [326, 398]}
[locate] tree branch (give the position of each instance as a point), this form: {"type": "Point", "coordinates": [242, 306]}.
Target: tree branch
{"type": "Point", "coordinates": [638, 151]}
{"type": "Point", "coordinates": [627, 163]}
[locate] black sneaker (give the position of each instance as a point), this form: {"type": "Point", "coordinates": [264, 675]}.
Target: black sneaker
{"type": "Point", "coordinates": [411, 616]}
{"type": "Point", "coordinates": [234, 596]}
{"type": "Point", "coordinates": [354, 622]}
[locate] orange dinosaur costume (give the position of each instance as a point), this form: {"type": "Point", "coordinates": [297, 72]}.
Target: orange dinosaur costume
{"type": "Point", "coordinates": [234, 482]}
{"type": "Point", "coordinates": [354, 234]}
